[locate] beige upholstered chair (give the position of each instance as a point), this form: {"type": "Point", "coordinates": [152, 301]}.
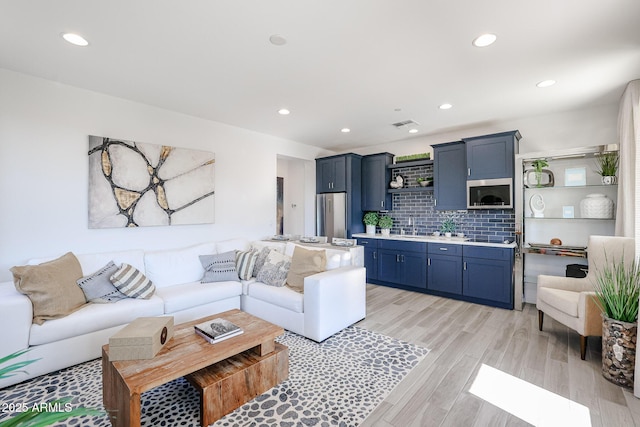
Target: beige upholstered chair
{"type": "Point", "coordinates": [570, 301]}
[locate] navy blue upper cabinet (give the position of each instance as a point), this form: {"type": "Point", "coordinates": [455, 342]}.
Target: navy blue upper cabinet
{"type": "Point", "coordinates": [331, 174]}
{"type": "Point", "coordinates": [449, 176]}
{"type": "Point", "coordinates": [491, 156]}
{"type": "Point", "coordinates": [375, 179]}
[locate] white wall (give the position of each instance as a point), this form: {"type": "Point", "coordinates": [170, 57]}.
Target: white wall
{"type": "Point", "coordinates": [44, 128]}
{"type": "Point", "coordinates": [578, 128]}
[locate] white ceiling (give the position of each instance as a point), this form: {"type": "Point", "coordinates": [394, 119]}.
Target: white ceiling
{"type": "Point", "coordinates": [347, 63]}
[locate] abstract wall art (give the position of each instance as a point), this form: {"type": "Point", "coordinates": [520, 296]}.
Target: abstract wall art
{"type": "Point", "coordinates": [133, 184]}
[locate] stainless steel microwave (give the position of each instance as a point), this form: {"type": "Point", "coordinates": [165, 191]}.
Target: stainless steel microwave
{"type": "Point", "coordinates": [490, 193]}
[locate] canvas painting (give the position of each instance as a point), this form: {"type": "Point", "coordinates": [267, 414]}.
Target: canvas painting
{"type": "Point", "coordinates": [134, 184]}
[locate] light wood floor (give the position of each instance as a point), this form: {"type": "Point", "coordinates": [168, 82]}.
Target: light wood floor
{"type": "Point", "coordinates": [462, 337]}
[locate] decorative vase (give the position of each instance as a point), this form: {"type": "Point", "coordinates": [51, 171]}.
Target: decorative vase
{"type": "Point", "coordinates": [619, 351]}
{"type": "Point", "coordinates": [596, 206]}
{"type": "Point", "coordinates": [370, 229]}
{"type": "Point", "coordinates": [609, 180]}
{"type": "Point", "coordinates": [385, 232]}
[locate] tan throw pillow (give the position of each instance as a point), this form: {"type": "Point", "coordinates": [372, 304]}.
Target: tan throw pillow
{"type": "Point", "coordinates": [51, 287]}
{"type": "Point", "coordinates": [305, 262]}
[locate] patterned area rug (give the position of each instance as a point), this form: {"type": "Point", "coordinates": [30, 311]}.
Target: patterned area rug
{"type": "Point", "coordinates": [336, 382]}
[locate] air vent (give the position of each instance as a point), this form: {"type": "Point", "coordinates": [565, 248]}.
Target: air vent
{"type": "Point", "coordinates": [405, 123]}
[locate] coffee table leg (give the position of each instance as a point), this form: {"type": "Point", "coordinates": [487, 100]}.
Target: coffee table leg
{"type": "Point", "coordinates": [122, 406]}
{"type": "Point", "coordinates": [265, 348]}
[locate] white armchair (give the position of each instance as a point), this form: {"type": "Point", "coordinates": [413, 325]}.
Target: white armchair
{"type": "Point", "coordinates": [570, 300]}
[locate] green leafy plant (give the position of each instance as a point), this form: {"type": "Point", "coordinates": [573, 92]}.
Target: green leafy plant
{"type": "Point", "coordinates": [607, 163]}
{"type": "Point", "coordinates": [448, 225]}
{"type": "Point", "coordinates": [385, 221]}
{"type": "Point", "coordinates": [371, 218]}
{"type": "Point", "coordinates": [618, 289]}
{"type": "Point", "coordinates": [39, 415]}
{"type": "Point", "coordinates": [410, 157]}
{"type": "Point", "coordinates": [539, 164]}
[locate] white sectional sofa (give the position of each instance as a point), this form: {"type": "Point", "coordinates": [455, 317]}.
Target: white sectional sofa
{"type": "Point", "coordinates": [332, 300]}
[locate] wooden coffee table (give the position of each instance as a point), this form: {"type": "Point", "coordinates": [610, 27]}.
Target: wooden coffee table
{"type": "Point", "coordinates": [253, 354]}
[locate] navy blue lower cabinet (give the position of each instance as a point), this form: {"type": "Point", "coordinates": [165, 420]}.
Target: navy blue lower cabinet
{"type": "Point", "coordinates": [402, 264]}
{"type": "Point", "coordinates": [488, 275]}
{"type": "Point", "coordinates": [445, 274]}
{"type": "Point", "coordinates": [370, 257]}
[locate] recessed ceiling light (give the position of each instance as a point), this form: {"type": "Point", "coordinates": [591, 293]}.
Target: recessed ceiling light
{"type": "Point", "coordinates": [345, 130]}
{"type": "Point", "coordinates": [484, 40]}
{"type": "Point", "coordinates": [546, 83]}
{"type": "Point", "coordinates": [283, 111]}
{"type": "Point", "coordinates": [413, 130]}
{"type": "Point", "coordinates": [75, 39]}
{"type": "Point", "coordinates": [445, 106]}
{"type": "Point", "coordinates": [277, 40]}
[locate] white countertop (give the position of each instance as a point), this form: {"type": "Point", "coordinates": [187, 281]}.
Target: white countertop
{"type": "Point", "coordinates": [434, 239]}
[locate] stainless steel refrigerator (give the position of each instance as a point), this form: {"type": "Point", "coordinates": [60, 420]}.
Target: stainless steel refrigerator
{"type": "Point", "coordinates": [331, 215]}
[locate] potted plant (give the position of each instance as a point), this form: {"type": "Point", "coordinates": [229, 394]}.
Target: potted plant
{"type": "Point", "coordinates": [538, 166]}
{"type": "Point", "coordinates": [385, 223]}
{"type": "Point", "coordinates": [424, 182]}
{"type": "Point", "coordinates": [617, 290]}
{"type": "Point", "coordinates": [39, 414]}
{"type": "Point", "coordinates": [607, 164]}
{"type": "Point", "coordinates": [370, 220]}
{"type": "Point", "coordinates": [448, 226]}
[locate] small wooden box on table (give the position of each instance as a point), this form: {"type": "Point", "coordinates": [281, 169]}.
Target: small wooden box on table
{"type": "Point", "coordinates": [262, 361]}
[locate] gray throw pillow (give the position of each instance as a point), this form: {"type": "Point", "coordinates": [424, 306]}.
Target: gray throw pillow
{"type": "Point", "coordinates": [97, 287]}
{"type": "Point", "coordinates": [219, 267]}
{"type": "Point", "coordinates": [275, 270]}
{"type": "Point", "coordinates": [260, 260]}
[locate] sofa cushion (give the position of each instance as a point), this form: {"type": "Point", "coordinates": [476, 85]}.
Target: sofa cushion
{"type": "Point", "coordinates": [51, 287]}
{"type": "Point", "coordinates": [275, 269]}
{"type": "Point", "coordinates": [232, 245]}
{"type": "Point", "coordinates": [173, 267]}
{"type": "Point", "coordinates": [282, 297]}
{"type": "Point", "coordinates": [245, 264]}
{"type": "Point", "coordinates": [261, 258]}
{"type": "Point", "coordinates": [188, 295]}
{"type": "Point", "coordinates": [97, 287]}
{"type": "Point", "coordinates": [132, 282]}
{"type": "Point", "coordinates": [219, 267]}
{"type": "Point", "coordinates": [95, 317]}
{"type": "Point", "coordinates": [92, 262]}
{"type": "Point", "coordinates": [305, 262]}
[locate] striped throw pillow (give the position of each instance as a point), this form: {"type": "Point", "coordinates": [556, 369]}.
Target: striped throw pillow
{"type": "Point", "coordinates": [245, 263]}
{"type": "Point", "coordinates": [219, 267]}
{"type": "Point", "coordinates": [131, 282]}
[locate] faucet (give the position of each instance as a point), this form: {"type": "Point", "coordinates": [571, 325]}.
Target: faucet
{"type": "Point", "coordinates": [412, 222]}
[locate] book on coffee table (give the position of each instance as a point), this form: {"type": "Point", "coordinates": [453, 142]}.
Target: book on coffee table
{"type": "Point", "coordinates": [217, 330]}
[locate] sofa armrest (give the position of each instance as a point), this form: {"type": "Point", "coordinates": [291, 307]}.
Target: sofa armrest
{"type": "Point", "coordinates": [16, 316]}
{"type": "Point", "coordinates": [333, 300]}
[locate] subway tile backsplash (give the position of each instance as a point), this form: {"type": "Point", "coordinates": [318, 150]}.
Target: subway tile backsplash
{"type": "Point", "coordinates": [416, 210]}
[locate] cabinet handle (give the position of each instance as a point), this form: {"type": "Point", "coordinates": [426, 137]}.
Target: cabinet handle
{"type": "Point", "coordinates": [468, 171]}
{"type": "Point", "coordinates": [397, 257]}
{"type": "Point", "coordinates": [382, 204]}
{"type": "Point", "coordinates": [435, 202]}
{"type": "Point", "coordinates": [401, 258]}
{"type": "Point", "coordinates": [444, 249]}
{"type": "Point", "coordinates": [375, 255]}
{"type": "Point", "coordinates": [464, 264]}
{"type": "Point", "coordinates": [428, 261]}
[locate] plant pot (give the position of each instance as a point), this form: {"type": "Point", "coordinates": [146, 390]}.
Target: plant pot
{"type": "Point", "coordinates": [447, 234]}
{"type": "Point", "coordinates": [609, 180]}
{"type": "Point", "coordinates": [619, 351]}
{"type": "Point", "coordinates": [385, 232]}
{"type": "Point", "coordinates": [370, 229]}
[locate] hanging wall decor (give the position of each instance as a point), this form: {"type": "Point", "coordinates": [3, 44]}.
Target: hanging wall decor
{"type": "Point", "coordinates": [133, 184]}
